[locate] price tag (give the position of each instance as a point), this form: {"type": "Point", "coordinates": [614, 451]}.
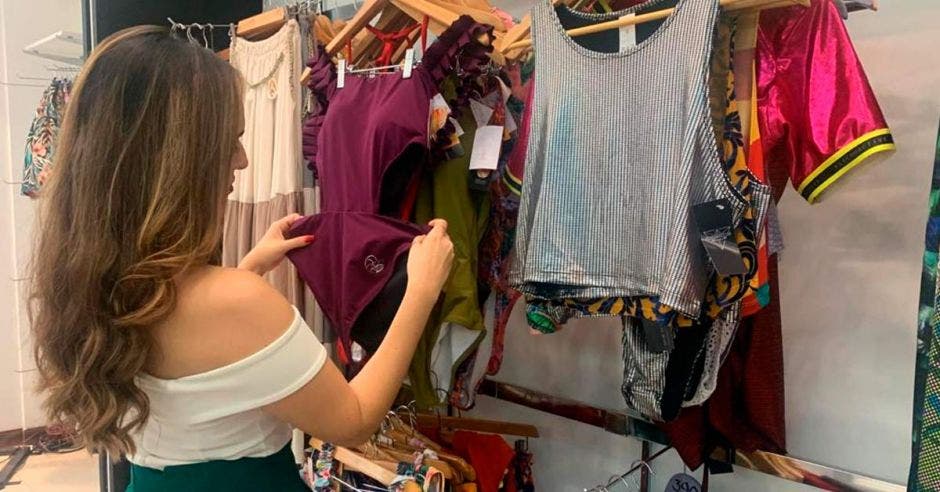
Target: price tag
{"type": "Point", "coordinates": [487, 142]}
{"type": "Point", "coordinates": [481, 112]}
{"type": "Point", "coordinates": [659, 338]}
{"type": "Point", "coordinates": [715, 225]}
{"type": "Point", "coordinates": [681, 482]}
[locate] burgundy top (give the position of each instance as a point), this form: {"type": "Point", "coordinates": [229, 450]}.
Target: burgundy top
{"type": "Point", "coordinates": [368, 141]}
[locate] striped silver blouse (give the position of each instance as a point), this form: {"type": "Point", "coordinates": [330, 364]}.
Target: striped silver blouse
{"type": "Point", "coordinates": [621, 148]}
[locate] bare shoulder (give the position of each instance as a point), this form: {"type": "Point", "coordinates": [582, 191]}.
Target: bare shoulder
{"type": "Point", "coordinates": [223, 315]}
{"type": "Point", "coordinates": [230, 292]}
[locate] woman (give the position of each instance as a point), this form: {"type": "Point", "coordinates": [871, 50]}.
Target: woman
{"type": "Point", "coordinates": [196, 372]}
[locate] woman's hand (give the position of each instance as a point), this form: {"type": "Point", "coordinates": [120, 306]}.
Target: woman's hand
{"type": "Point", "coordinates": [270, 251]}
{"type": "Point", "coordinates": [429, 261]}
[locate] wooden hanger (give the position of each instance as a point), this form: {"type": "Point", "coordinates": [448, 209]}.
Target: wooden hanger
{"type": "Point", "coordinates": [262, 25]}
{"type": "Point", "coordinates": [369, 10]}
{"type": "Point", "coordinates": [727, 5]}
{"type": "Point", "coordinates": [479, 425]}
{"type": "Point", "coordinates": [360, 463]}
{"type": "Point", "coordinates": [258, 26]}
{"type": "Point", "coordinates": [366, 46]}
{"type": "Point", "coordinates": [439, 19]}
{"type": "Point", "coordinates": [408, 457]}
{"type": "Point", "coordinates": [481, 12]}
{"type": "Point", "coordinates": [406, 436]}
{"type": "Point", "coordinates": [518, 32]}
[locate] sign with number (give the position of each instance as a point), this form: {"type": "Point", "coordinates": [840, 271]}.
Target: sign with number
{"type": "Point", "coordinates": [682, 482]}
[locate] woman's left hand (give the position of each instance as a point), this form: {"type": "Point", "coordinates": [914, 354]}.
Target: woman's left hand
{"type": "Point", "coordinates": [273, 247]}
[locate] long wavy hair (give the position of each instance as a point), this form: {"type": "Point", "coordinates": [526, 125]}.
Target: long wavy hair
{"type": "Point", "coordinates": [136, 198]}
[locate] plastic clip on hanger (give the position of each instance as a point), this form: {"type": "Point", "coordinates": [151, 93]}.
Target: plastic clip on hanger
{"type": "Point", "coordinates": [439, 20]}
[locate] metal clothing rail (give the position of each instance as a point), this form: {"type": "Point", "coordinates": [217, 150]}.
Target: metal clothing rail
{"type": "Point", "coordinates": [619, 423]}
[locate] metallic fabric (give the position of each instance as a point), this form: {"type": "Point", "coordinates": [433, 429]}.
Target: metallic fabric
{"type": "Point", "coordinates": [606, 203]}
{"type": "Point", "coordinates": [819, 134]}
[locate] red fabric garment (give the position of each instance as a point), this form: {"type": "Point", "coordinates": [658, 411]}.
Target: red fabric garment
{"type": "Point", "coordinates": [746, 410]}
{"type": "Point", "coordinates": [390, 41]}
{"type": "Point", "coordinates": [818, 113]}
{"type": "Point", "coordinates": [489, 455]}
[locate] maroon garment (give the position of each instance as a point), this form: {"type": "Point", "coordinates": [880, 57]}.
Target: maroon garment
{"type": "Point", "coordinates": [368, 141]}
{"type": "Point", "coordinates": [746, 411]}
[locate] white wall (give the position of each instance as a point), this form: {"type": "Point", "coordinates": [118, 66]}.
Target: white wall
{"type": "Point", "coordinates": [850, 278]}
{"type": "Point", "coordinates": [849, 281]}
{"type": "Point", "coordinates": [21, 22]}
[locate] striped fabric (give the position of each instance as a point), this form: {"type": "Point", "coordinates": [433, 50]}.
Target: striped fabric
{"type": "Point", "coordinates": [606, 203]}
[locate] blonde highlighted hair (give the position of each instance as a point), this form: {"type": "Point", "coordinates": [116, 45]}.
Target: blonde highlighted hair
{"type": "Point", "coordinates": [137, 193]}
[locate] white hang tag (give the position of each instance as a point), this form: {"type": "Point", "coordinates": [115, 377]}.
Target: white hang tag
{"type": "Point", "coordinates": [627, 35]}
{"type": "Point", "coordinates": [341, 73]}
{"type": "Point", "coordinates": [409, 63]}
{"type": "Point", "coordinates": [440, 111]}
{"type": "Point", "coordinates": [487, 142]}
{"type": "Point", "coordinates": [504, 89]}
{"type": "Point", "coordinates": [458, 130]}
{"type": "Point", "coordinates": [492, 99]}
{"type": "Point", "coordinates": [481, 112]}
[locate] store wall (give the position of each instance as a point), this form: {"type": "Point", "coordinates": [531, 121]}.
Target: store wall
{"type": "Point", "coordinates": [850, 278]}
{"type": "Point", "coordinates": [21, 23]}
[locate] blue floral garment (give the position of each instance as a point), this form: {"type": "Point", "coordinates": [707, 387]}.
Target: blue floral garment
{"type": "Point", "coordinates": [925, 453]}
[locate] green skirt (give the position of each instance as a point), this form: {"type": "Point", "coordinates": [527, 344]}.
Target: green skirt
{"type": "Point", "coordinates": [275, 473]}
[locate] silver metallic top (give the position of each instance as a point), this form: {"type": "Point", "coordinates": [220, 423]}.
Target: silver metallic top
{"type": "Point", "coordinates": [621, 148]}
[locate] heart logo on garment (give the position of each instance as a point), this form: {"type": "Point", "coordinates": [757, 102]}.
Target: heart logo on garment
{"type": "Point", "coordinates": [373, 265]}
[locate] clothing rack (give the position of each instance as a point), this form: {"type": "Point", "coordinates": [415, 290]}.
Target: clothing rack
{"type": "Point", "coordinates": [728, 5]}
{"type": "Point", "coordinates": [620, 423]}
{"type": "Point", "coordinates": [643, 466]}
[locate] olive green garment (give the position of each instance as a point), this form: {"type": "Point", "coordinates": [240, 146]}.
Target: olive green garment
{"type": "Point", "coordinates": [443, 348]}
{"type": "Point", "coordinates": [275, 473]}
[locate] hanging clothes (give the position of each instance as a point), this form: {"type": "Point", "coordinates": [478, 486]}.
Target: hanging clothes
{"type": "Point", "coordinates": [455, 329]}
{"type": "Point", "coordinates": [722, 331]}
{"type": "Point", "coordinates": [925, 452]}
{"type": "Point", "coordinates": [42, 135]}
{"type": "Point", "coordinates": [807, 51]}
{"type": "Point", "coordinates": [546, 313]}
{"type": "Point", "coordinates": [745, 98]}
{"type": "Point", "coordinates": [272, 185]}
{"type": "Point", "coordinates": [574, 173]}
{"type": "Point", "coordinates": [658, 384]}
{"type": "Point", "coordinates": [471, 373]}
{"type": "Point", "coordinates": [746, 409]}
{"type": "Point", "coordinates": [830, 135]}
{"type": "Point", "coordinates": [746, 406]}
{"type": "Point", "coordinates": [498, 239]}
{"type": "Point", "coordinates": [368, 141]}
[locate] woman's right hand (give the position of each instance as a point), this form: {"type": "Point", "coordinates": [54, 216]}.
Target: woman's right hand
{"type": "Point", "coordinates": [429, 261]}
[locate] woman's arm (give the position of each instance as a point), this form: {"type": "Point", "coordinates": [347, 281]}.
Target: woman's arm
{"type": "Point", "coordinates": [348, 413]}
{"type": "Point", "coordinates": [273, 247]}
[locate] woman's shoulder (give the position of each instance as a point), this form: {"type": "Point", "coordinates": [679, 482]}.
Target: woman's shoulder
{"type": "Point", "coordinates": [229, 290]}
{"type": "Point", "coordinates": [222, 315]}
